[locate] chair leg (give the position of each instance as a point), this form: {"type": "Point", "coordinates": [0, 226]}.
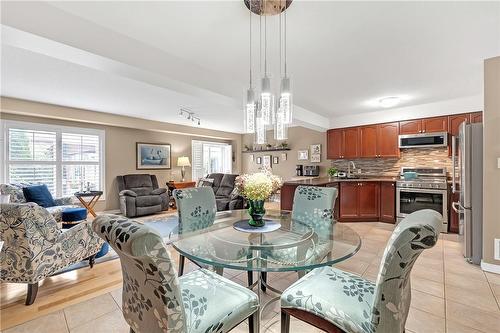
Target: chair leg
{"type": "Point", "coordinates": [285, 322]}
{"type": "Point", "coordinates": [32, 291]}
{"type": "Point", "coordinates": [132, 330]}
{"type": "Point", "coordinates": [219, 270]}
{"type": "Point", "coordinates": [263, 276]}
{"type": "Point", "coordinates": [250, 278]}
{"type": "Point", "coordinates": [92, 260]}
{"type": "Point", "coordinates": [182, 261]}
{"type": "Point", "coordinates": [254, 322]}
{"type": "Point", "coordinates": [301, 274]}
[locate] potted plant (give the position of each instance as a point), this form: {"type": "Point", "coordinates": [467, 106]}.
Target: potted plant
{"type": "Point", "coordinates": [284, 145]}
{"type": "Point", "coordinates": [256, 188]}
{"type": "Point", "coordinates": [269, 146]}
{"type": "Point", "coordinates": [333, 172]}
{"type": "Point", "coordinates": [247, 148]}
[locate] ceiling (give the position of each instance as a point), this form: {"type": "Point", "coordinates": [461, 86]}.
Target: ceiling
{"type": "Point", "coordinates": [147, 59]}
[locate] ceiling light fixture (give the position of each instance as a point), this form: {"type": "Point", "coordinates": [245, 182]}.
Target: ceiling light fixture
{"type": "Point", "coordinates": [189, 115]}
{"type": "Point", "coordinates": [390, 101]}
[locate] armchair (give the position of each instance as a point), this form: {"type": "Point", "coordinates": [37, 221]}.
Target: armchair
{"type": "Point", "coordinates": [141, 195]}
{"type": "Point", "coordinates": [225, 196]}
{"type": "Point", "coordinates": [35, 247]}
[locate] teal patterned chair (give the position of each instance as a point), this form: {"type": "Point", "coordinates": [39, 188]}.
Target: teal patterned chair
{"type": "Point", "coordinates": [155, 300]}
{"type": "Point", "coordinates": [337, 301]}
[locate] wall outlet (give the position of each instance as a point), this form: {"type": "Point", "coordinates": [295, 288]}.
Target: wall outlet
{"type": "Point", "coordinates": [497, 249]}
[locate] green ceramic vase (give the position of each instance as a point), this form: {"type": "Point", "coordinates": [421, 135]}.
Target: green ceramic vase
{"type": "Point", "coordinates": [256, 211]}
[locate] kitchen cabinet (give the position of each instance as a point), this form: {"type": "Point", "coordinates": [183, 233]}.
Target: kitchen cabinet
{"type": "Point", "coordinates": [454, 218]}
{"type": "Point", "coordinates": [435, 124]}
{"type": "Point", "coordinates": [359, 201]}
{"type": "Point", "coordinates": [476, 117]}
{"type": "Point", "coordinates": [350, 143]}
{"type": "Point", "coordinates": [455, 121]}
{"type": "Point", "coordinates": [369, 137]}
{"type": "Point", "coordinates": [387, 140]}
{"type": "Point", "coordinates": [410, 127]}
{"type": "Point", "coordinates": [388, 202]}
{"type": "Point", "coordinates": [334, 138]}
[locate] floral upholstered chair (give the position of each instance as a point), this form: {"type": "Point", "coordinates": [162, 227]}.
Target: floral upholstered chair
{"type": "Point", "coordinates": [16, 196]}
{"type": "Point", "coordinates": [337, 301]}
{"type": "Point", "coordinates": [156, 300]}
{"type": "Point", "coordinates": [35, 247]}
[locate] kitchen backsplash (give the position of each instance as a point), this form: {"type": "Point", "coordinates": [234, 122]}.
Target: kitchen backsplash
{"type": "Point", "coordinates": [414, 157]}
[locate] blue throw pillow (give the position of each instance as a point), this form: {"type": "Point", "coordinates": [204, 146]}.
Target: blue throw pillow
{"type": "Point", "coordinates": [39, 194]}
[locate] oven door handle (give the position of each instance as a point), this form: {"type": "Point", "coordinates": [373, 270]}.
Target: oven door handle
{"type": "Point", "coordinates": [421, 190]}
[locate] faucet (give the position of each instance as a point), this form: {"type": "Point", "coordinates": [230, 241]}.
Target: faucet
{"type": "Point", "coordinates": [349, 168]}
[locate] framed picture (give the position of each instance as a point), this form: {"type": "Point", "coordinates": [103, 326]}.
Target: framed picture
{"type": "Point", "coordinates": [266, 161]}
{"type": "Point", "coordinates": [258, 160]}
{"type": "Point", "coordinates": [152, 156]}
{"type": "Point", "coordinates": [275, 160]}
{"type": "Point", "coordinates": [316, 149]}
{"type": "Point", "coordinates": [251, 157]}
{"type": "Point", "coordinates": [283, 156]}
{"type": "Point", "coordinates": [303, 155]}
{"type": "Point", "coordinates": [315, 158]}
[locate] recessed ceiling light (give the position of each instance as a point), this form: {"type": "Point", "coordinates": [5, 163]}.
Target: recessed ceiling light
{"type": "Point", "coordinates": [388, 102]}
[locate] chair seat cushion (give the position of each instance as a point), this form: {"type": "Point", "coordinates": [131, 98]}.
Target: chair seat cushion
{"type": "Point", "coordinates": [74, 214]}
{"type": "Point", "coordinates": [147, 200]}
{"type": "Point", "coordinates": [214, 303]}
{"type": "Point", "coordinates": [56, 211]}
{"type": "Point", "coordinates": [39, 194]}
{"type": "Point", "coordinates": [342, 298]}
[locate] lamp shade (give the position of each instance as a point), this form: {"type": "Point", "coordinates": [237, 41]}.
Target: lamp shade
{"type": "Point", "coordinates": [183, 161]}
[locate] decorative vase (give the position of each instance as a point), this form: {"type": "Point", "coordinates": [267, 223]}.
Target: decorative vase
{"type": "Point", "coordinates": [256, 211]}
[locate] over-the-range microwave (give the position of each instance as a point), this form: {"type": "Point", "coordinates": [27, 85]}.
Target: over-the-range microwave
{"type": "Point", "coordinates": [438, 139]}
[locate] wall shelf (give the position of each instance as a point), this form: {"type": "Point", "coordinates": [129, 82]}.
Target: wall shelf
{"type": "Point", "coordinates": [266, 150]}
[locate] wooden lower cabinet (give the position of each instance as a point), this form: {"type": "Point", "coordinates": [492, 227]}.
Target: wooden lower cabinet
{"type": "Point", "coordinates": [388, 202]}
{"type": "Point", "coordinates": [349, 207]}
{"type": "Point", "coordinates": [369, 197]}
{"type": "Point", "coordinates": [359, 201]}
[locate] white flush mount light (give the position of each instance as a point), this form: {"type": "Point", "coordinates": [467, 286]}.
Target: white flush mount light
{"type": "Point", "coordinates": [389, 102]}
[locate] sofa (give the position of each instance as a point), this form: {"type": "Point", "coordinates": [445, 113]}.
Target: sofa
{"type": "Point", "coordinates": [35, 247]}
{"type": "Point", "coordinates": [140, 195]}
{"type": "Point", "coordinates": [15, 190]}
{"type": "Point", "coordinates": [226, 197]}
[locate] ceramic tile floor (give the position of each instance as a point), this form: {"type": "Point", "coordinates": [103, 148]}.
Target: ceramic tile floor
{"type": "Point", "coordinates": [448, 295]}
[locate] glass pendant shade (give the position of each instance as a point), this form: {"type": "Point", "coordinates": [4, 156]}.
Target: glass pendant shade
{"type": "Point", "coordinates": [260, 131]}
{"type": "Point", "coordinates": [285, 102]}
{"type": "Point", "coordinates": [250, 109]}
{"type": "Point", "coordinates": [266, 102]}
{"type": "Point", "coordinates": [280, 127]}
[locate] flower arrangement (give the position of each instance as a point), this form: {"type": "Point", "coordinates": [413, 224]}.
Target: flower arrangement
{"type": "Point", "coordinates": [258, 186]}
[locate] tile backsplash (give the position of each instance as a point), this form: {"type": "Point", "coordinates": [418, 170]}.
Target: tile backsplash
{"type": "Point", "coordinates": [414, 157]}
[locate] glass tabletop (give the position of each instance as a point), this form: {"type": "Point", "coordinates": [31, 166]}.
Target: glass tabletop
{"type": "Point", "coordinates": [293, 246]}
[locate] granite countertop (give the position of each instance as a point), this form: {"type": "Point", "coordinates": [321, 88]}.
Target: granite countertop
{"type": "Point", "coordinates": [326, 180]}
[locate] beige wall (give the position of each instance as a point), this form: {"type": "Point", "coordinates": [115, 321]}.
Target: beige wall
{"type": "Point", "coordinates": [120, 142]}
{"type": "Point", "coordinates": [299, 138]}
{"type": "Point", "coordinates": [491, 176]}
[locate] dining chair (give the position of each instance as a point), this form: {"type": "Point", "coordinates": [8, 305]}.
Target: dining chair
{"type": "Point", "coordinates": [337, 301]}
{"type": "Point", "coordinates": [154, 299]}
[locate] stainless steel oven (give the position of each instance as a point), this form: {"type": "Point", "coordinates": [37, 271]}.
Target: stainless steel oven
{"type": "Point", "coordinates": [409, 200]}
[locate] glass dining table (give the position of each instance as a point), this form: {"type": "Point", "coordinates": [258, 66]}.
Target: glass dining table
{"type": "Point", "coordinates": [283, 245]}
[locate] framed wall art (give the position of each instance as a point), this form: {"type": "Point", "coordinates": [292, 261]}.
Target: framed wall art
{"type": "Point", "coordinates": [316, 158]}
{"type": "Point", "coordinates": [303, 155]}
{"type": "Point", "coordinates": [258, 160]}
{"type": "Point", "coordinates": [276, 160]}
{"type": "Point", "coordinates": [152, 156]}
{"type": "Point", "coordinates": [266, 161]}
{"type": "Point", "coordinates": [315, 149]}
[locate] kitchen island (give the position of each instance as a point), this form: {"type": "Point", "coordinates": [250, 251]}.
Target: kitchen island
{"type": "Point", "coordinates": [367, 198]}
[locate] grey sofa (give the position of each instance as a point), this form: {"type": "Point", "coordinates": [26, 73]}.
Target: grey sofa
{"type": "Point", "coordinates": [140, 195]}
{"type": "Point", "coordinates": [225, 196]}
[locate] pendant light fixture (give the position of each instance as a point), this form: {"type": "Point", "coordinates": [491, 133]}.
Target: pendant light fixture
{"type": "Point", "coordinates": [266, 95]}
{"type": "Point", "coordinates": [285, 102]}
{"type": "Point", "coordinates": [250, 105]}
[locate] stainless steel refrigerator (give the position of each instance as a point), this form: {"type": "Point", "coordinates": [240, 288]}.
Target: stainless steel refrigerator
{"type": "Point", "coordinates": [468, 181]}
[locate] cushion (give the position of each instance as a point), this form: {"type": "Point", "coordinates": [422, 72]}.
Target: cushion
{"type": "Point", "coordinates": [226, 185]}
{"type": "Point", "coordinates": [56, 211]}
{"type": "Point", "coordinates": [141, 190]}
{"type": "Point", "coordinates": [347, 304]}
{"type": "Point", "coordinates": [139, 180]}
{"type": "Point", "coordinates": [222, 204]}
{"type": "Point", "coordinates": [15, 191]}
{"type": "Point", "coordinates": [39, 194]}
{"type": "Point", "coordinates": [74, 214]}
{"type": "Point", "coordinates": [147, 200]}
{"type": "Point", "coordinates": [205, 182]}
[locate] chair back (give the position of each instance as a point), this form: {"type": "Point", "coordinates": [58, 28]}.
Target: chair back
{"type": "Point", "coordinates": [27, 230]}
{"type": "Point", "coordinates": [142, 184]}
{"type": "Point", "coordinates": [313, 205]}
{"type": "Point", "coordinates": [417, 232]}
{"type": "Point", "coordinates": [196, 208]}
{"type": "Point", "coordinates": [151, 295]}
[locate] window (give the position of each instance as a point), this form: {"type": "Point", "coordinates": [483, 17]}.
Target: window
{"type": "Point", "coordinates": [66, 159]}
{"type": "Point", "coordinates": [210, 157]}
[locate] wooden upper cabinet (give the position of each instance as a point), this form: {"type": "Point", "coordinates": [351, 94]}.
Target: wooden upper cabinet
{"type": "Point", "coordinates": [387, 140]}
{"type": "Point", "coordinates": [350, 143]}
{"type": "Point", "coordinates": [368, 141]}
{"type": "Point", "coordinates": [455, 121]}
{"type": "Point", "coordinates": [334, 144]}
{"type": "Point", "coordinates": [410, 127]}
{"type": "Point", "coordinates": [476, 117]}
{"type": "Point", "coordinates": [435, 124]}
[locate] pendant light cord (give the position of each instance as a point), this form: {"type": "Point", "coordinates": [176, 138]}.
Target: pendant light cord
{"type": "Point", "coordinates": [250, 48]}
{"type": "Point", "coordinates": [285, 38]}
{"type": "Point", "coordinates": [280, 34]}
{"type": "Point", "coordinates": [265, 41]}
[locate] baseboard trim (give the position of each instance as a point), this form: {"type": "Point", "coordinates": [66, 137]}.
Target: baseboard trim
{"type": "Point", "coordinates": [492, 268]}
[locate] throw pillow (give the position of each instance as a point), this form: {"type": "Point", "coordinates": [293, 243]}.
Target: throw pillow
{"type": "Point", "coordinates": [205, 182]}
{"type": "Point", "coordinates": [39, 194]}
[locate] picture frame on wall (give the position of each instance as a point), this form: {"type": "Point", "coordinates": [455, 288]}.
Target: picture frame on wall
{"type": "Point", "coordinates": [266, 161]}
{"type": "Point", "coordinates": [251, 157]}
{"type": "Point", "coordinates": [276, 160]}
{"type": "Point", "coordinates": [315, 158]}
{"type": "Point", "coordinates": [153, 156]}
{"type": "Point", "coordinates": [315, 149]}
{"type": "Point", "coordinates": [303, 155]}
{"type": "Point", "coordinates": [258, 160]}
{"type": "Point", "coordinates": [283, 156]}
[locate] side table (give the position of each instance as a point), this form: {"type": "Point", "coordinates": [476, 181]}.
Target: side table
{"type": "Point", "coordinates": [172, 185]}
{"type": "Point", "coordinates": [93, 195]}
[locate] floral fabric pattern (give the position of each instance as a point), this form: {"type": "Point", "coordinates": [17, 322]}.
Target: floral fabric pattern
{"type": "Point", "coordinates": [155, 299]}
{"type": "Point", "coordinates": [357, 305]}
{"type": "Point", "coordinates": [34, 245]}
{"type": "Point", "coordinates": [196, 208]}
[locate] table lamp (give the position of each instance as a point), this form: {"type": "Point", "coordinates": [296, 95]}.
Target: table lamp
{"type": "Point", "coordinates": [183, 161]}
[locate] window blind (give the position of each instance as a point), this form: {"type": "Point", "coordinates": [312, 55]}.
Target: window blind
{"type": "Point", "coordinates": [210, 157]}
